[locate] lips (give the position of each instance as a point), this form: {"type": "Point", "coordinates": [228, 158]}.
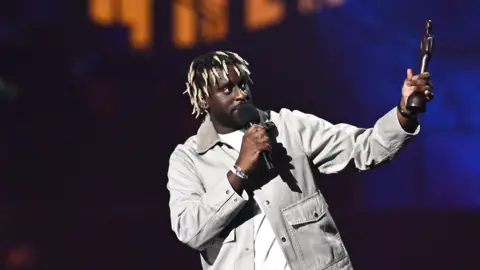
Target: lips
{"type": "Point", "coordinates": [236, 107]}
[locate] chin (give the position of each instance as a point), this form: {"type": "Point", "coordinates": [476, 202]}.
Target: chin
{"type": "Point", "coordinates": [234, 114]}
{"type": "Point", "coordinates": [235, 123]}
{"type": "Point", "coordinates": [229, 120]}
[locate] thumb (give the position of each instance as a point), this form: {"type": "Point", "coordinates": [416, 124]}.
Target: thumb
{"type": "Point", "coordinates": [409, 74]}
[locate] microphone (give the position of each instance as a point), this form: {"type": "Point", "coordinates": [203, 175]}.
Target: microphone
{"type": "Point", "coordinates": [249, 116]}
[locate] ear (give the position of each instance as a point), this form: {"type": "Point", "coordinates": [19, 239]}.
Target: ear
{"type": "Point", "coordinates": [203, 104]}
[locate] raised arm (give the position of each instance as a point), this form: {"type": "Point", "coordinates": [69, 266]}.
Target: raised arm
{"type": "Point", "coordinates": [333, 148]}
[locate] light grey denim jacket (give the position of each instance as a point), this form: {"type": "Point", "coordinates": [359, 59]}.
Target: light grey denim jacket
{"type": "Point", "coordinates": [209, 216]}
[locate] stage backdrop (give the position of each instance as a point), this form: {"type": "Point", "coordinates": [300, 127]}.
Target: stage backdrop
{"type": "Point", "coordinates": [341, 60]}
{"type": "Point", "coordinates": [91, 107]}
{"type": "Point", "coordinates": [345, 61]}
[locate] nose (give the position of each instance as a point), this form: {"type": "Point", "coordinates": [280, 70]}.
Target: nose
{"type": "Point", "coordinates": [240, 94]}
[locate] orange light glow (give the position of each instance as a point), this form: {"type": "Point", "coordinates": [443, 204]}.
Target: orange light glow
{"type": "Point", "coordinates": [261, 14]}
{"type": "Point", "coordinates": [136, 14]}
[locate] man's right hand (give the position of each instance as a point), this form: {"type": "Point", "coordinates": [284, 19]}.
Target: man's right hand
{"type": "Point", "coordinates": [254, 142]}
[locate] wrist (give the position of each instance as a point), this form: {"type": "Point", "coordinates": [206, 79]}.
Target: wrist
{"type": "Point", "coordinates": [403, 111]}
{"type": "Point", "coordinates": [237, 170]}
{"type": "Point", "coordinates": [242, 165]}
{"type": "Point", "coordinates": [236, 182]}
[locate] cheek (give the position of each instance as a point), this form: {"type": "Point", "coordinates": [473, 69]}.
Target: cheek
{"type": "Point", "coordinates": [222, 102]}
{"type": "Point", "coordinates": [215, 107]}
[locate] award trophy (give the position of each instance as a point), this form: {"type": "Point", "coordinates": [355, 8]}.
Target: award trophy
{"type": "Point", "coordinates": [416, 102]}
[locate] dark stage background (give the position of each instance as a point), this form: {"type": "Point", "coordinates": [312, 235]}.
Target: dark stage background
{"type": "Point", "coordinates": [91, 108]}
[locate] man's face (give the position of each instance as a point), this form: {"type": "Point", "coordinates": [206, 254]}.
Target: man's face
{"type": "Point", "coordinates": [226, 95]}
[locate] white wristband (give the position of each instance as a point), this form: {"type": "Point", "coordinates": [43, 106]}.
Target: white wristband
{"type": "Point", "coordinates": [238, 172]}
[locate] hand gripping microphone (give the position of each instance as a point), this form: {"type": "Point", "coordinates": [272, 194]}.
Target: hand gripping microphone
{"type": "Point", "coordinates": [249, 116]}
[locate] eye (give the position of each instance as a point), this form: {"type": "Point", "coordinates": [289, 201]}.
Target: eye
{"type": "Point", "coordinates": [243, 84]}
{"type": "Point", "coordinates": [246, 88]}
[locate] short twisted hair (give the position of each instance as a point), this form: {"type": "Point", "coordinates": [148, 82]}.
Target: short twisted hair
{"type": "Point", "coordinates": [203, 67]}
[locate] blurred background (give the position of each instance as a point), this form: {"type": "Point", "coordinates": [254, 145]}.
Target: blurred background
{"type": "Point", "coordinates": [91, 108]}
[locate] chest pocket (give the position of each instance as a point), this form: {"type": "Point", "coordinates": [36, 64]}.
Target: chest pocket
{"type": "Point", "coordinates": [308, 210]}
{"type": "Point", "coordinates": [314, 232]}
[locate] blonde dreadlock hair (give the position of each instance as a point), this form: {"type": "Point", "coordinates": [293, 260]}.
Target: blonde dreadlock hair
{"type": "Point", "coordinates": [204, 67]}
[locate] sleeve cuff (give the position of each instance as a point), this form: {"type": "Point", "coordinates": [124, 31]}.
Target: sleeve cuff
{"type": "Point", "coordinates": [390, 123]}
{"type": "Point", "coordinates": [223, 193]}
{"type": "Point", "coordinates": [390, 129]}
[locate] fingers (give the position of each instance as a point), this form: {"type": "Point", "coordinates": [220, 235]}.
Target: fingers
{"type": "Point", "coordinates": [426, 89]}
{"type": "Point", "coordinates": [256, 135]}
{"type": "Point", "coordinates": [257, 131]}
{"type": "Point", "coordinates": [424, 75]}
{"type": "Point", "coordinates": [421, 76]}
{"type": "Point", "coordinates": [421, 86]}
{"type": "Point", "coordinates": [409, 74]}
{"type": "Point", "coordinates": [253, 129]}
{"type": "Point", "coordinates": [412, 77]}
{"type": "Point", "coordinates": [428, 95]}
{"type": "Point", "coordinates": [264, 147]}
{"type": "Point", "coordinates": [416, 83]}
{"type": "Point", "coordinates": [419, 82]}
{"type": "Point", "coordinates": [262, 140]}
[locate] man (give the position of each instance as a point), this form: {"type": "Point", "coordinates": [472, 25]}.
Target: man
{"type": "Point", "coordinates": [240, 215]}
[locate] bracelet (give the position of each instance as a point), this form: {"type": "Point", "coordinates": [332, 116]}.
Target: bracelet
{"type": "Point", "coordinates": [405, 114]}
{"type": "Point", "coordinates": [238, 172]}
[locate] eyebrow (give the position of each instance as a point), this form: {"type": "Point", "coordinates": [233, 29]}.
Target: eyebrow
{"type": "Point", "coordinates": [222, 83]}
{"type": "Point", "coordinates": [241, 79]}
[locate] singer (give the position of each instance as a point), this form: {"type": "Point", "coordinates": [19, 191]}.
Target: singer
{"type": "Point", "coordinates": [241, 213]}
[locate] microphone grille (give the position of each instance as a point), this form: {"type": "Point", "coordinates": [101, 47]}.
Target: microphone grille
{"type": "Point", "coordinates": [247, 113]}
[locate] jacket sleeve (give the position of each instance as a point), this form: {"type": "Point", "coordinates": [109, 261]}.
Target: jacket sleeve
{"type": "Point", "coordinates": [198, 215]}
{"type": "Point", "coordinates": [333, 148]}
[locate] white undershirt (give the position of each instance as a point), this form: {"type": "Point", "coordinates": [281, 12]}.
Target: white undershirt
{"type": "Point", "coordinates": [268, 253]}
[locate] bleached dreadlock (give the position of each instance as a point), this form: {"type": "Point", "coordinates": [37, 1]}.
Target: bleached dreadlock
{"type": "Point", "coordinates": [203, 67]}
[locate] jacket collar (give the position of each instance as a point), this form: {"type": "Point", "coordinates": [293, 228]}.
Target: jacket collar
{"type": "Point", "coordinates": [207, 136]}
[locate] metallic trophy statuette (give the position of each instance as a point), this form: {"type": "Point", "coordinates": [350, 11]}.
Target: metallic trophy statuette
{"type": "Point", "coordinates": [416, 102]}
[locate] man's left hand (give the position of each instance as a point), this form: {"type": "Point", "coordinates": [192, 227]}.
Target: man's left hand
{"type": "Point", "coordinates": [420, 83]}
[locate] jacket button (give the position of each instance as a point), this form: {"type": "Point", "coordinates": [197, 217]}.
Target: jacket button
{"type": "Point", "coordinates": [227, 192]}
{"type": "Point", "coordinates": [267, 202]}
{"type": "Point", "coordinates": [284, 239]}
{"type": "Point", "coordinates": [315, 215]}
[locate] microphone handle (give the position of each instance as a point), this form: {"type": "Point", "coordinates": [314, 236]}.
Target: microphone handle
{"type": "Point", "coordinates": [266, 159]}
{"type": "Point", "coordinates": [265, 155]}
